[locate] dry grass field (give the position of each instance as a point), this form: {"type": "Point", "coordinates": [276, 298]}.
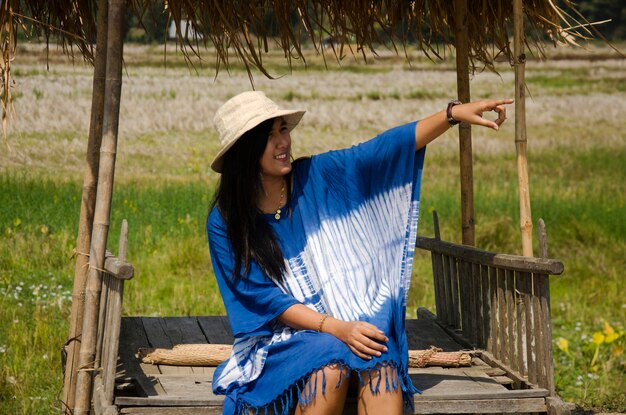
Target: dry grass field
{"type": "Point", "coordinates": [577, 162]}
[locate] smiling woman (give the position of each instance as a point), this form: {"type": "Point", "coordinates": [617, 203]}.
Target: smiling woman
{"type": "Point", "coordinates": [313, 258]}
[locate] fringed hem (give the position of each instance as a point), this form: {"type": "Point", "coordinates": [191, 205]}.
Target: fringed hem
{"type": "Point", "coordinates": [285, 401]}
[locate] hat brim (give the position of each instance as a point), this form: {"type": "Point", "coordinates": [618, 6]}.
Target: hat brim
{"type": "Point", "coordinates": [292, 118]}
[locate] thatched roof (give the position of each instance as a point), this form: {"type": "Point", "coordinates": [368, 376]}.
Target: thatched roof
{"type": "Point", "coordinates": [240, 28]}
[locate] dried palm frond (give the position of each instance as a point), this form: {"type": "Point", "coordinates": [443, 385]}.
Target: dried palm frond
{"type": "Point", "coordinates": [238, 29]}
{"type": "Point", "coordinates": [72, 22]}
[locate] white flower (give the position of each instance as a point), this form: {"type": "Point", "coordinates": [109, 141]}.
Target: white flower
{"type": "Point", "coordinates": [3, 348]}
{"type": "Point", "coordinates": [45, 356]}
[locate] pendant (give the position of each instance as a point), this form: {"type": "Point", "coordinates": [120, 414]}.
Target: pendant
{"type": "Point", "coordinates": [277, 215]}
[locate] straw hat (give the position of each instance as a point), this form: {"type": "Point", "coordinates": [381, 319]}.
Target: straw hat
{"type": "Point", "coordinates": [242, 113]}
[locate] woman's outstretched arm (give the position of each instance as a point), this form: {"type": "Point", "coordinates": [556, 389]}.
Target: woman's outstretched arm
{"type": "Point", "coordinates": [364, 339]}
{"type": "Point", "coordinates": [433, 126]}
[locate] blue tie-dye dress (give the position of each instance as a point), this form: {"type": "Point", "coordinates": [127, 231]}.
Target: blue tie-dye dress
{"type": "Point", "coordinates": [348, 243]}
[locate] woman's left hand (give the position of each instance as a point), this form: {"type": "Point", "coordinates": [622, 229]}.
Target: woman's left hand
{"type": "Point", "coordinates": [472, 112]}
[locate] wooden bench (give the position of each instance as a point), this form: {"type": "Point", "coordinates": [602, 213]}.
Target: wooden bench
{"type": "Point", "coordinates": [497, 305]}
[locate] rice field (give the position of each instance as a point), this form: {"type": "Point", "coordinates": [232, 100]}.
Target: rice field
{"type": "Point", "coordinates": [577, 165]}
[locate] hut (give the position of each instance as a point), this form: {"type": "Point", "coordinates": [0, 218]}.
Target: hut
{"type": "Point", "coordinates": [495, 304]}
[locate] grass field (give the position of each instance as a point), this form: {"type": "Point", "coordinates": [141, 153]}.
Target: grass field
{"type": "Point", "coordinates": [577, 164]}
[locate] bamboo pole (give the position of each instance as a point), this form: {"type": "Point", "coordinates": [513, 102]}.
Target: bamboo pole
{"type": "Point", "coordinates": [461, 39]}
{"type": "Point", "coordinates": [88, 203]}
{"type": "Point", "coordinates": [526, 223]}
{"type": "Point", "coordinates": [99, 235]}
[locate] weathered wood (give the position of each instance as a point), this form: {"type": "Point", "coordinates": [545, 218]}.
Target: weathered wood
{"type": "Point", "coordinates": [114, 315]}
{"type": "Point", "coordinates": [515, 376]}
{"type": "Point", "coordinates": [100, 403]}
{"type": "Point", "coordinates": [467, 386]}
{"type": "Point", "coordinates": [216, 330]}
{"type": "Point", "coordinates": [514, 262]}
{"type": "Point", "coordinates": [465, 293]}
{"type": "Point", "coordinates": [101, 339]}
{"type": "Point", "coordinates": [188, 328]}
{"type": "Point", "coordinates": [439, 284]}
{"type": "Point", "coordinates": [556, 406]}
{"type": "Point", "coordinates": [522, 292]}
{"type": "Point", "coordinates": [494, 371]}
{"type": "Point", "coordinates": [100, 229]}
{"type": "Point", "coordinates": [118, 268]}
{"type": "Point", "coordinates": [422, 407]}
{"type": "Point", "coordinates": [454, 283]}
{"type": "Point", "coordinates": [449, 330]}
{"type": "Point", "coordinates": [205, 399]}
{"type": "Point", "coordinates": [546, 332]}
{"type": "Point", "coordinates": [485, 305]}
{"type": "Point", "coordinates": [480, 388]}
{"type": "Point", "coordinates": [161, 335]}
{"type": "Point", "coordinates": [133, 336]}
{"type": "Point", "coordinates": [179, 410]}
{"type": "Point", "coordinates": [509, 402]}
{"type": "Point", "coordinates": [503, 380]}
{"type": "Point", "coordinates": [492, 343]}
{"type": "Point", "coordinates": [447, 284]}
{"type": "Point", "coordinates": [481, 406]}
{"type": "Point", "coordinates": [512, 320]}
{"type": "Point", "coordinates": [476, 301]}
{"type": "Point", "coordinates": [502, 317]}
{"type": "Point", "coordinates": [538, 331]}
{"type": "Point", "coordinates": [425, 332]}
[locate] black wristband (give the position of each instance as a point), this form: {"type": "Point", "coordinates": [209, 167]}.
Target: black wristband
{"type": "Point", "coordinates": [451, 119]}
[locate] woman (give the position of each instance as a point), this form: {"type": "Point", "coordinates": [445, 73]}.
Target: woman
{"type": "Point", "coordinates": [313, 259]}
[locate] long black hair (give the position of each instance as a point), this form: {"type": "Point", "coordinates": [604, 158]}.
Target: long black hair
{"type": "Point", "coordinates": [240, 186]}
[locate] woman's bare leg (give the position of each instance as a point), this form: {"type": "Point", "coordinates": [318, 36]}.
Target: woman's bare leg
{"type": "Point", "coordinates": [385, 401]}
{"type": "Point", "coordinates": [332, 401]}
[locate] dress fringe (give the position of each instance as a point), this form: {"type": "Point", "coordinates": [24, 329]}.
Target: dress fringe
{"type": "Point", "coordinates": [305, 394]}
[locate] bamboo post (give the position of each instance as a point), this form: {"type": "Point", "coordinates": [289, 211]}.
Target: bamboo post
{"type": "Point", "coordinates": [526, 223]}
{"type": "Point", "coordinates": [88, 203]}
{"type": "Point", "coordinates": [461, 39]}
{"type": "Point", "coordinates": [106, 176]}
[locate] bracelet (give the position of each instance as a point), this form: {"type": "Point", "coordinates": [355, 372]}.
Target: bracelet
{"type": "Point", "coordinates": [449, 116]}
{"type": "Point", "coordinates": [319, 327]}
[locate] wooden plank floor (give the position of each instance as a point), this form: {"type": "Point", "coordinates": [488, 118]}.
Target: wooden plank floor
{"type": "Point", "coordinates": [182, 390]}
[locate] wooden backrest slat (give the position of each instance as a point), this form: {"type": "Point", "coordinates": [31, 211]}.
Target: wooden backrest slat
{"type": "Point", "coordinates": [454, 281]}
{"type": "Point", "coordinates": [476, 325]}
{"type": "Point", "coordinates": [440, 294]}
{"type": "Point", "coordinates": [539, 335]}
{"type": "Point", "coordinates": [512, 315]}
{"type": "Point", "coordinates": [514, 262]}
{"type": "Point", "coordinates": [492, 345]}
{"type": "Point", "coordinates": [464, 299]}
{"type": "Point", "coordinates": [447, 281]}
{"type": "Point", "coordinates": [485, 304]}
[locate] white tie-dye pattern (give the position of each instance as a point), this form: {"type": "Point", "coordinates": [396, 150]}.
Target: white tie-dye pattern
{"type": "Point", "coordinates": [358, 261]}
{"type": "Point", "coordinates": [350, 266]}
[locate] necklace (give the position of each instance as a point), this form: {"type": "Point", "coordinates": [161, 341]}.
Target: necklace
{"type": "Point", "coordinates": [280, 203]}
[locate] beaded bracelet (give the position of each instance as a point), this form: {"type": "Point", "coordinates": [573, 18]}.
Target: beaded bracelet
{"type": "Point", "coordinates": [319, 327]}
